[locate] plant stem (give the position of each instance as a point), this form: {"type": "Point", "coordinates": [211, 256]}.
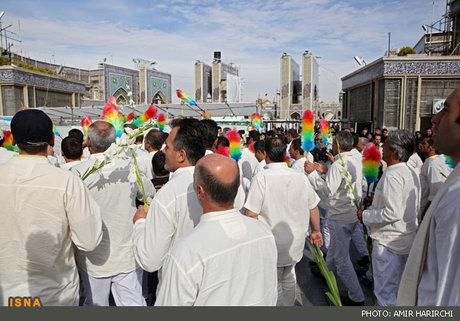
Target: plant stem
{"type": "Point", "coordinates": [139, 180]}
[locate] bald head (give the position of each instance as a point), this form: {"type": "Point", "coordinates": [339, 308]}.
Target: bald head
{"type": "Point", "coordinates": [219, 177]}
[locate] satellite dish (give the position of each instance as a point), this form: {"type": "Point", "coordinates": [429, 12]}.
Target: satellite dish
{"type": "Point", "coordinates": [328, 116]}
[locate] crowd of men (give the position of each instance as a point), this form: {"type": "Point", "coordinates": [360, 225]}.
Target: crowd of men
{"type": "Point", "coordinates": [215, 231]}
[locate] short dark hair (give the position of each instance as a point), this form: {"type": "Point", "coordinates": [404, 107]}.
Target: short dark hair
{"type": "Point", "coordinates": [430, 141]}
{"type": "Point", "coordinates": [223, 141]}
{"type": "Point", "coordinates": [270, 133]}
{"type": "Point", "coordinates": [254, 134]}
{"type": "Point", "coordinates": [293, 132]}
{"type": "Point", "coordinates": [76, 133]}
{"type": "Point", "coordinates": [297, 145]}
{"type": "Point", "coordinates": [259, 146]}
{"type": "Point", "coordinates": [32, 150]}
{"type": "Point", "coordinates": [218, 191]}
{"type": "Point", "coordinates": [210, 127]}
{"type": "Point", "coordinates": [355, 139]}
{"type": "Point", "coordinates": [165, 136]}
{"type": "Point", "coordinates": [190, 138]}
{"type": "Point", "coordinates": [71, 147]}
{"type": "Point", "coordinates": [158, 164]}
{"type": "Point", "coordinates": [275, 149]}
{"type": "Point", "coordinates": [155, 138]}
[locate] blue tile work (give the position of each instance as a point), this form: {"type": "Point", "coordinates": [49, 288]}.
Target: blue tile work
{"type": "Point", "coordinates": [18, 76]}
{"type": "Point", "coordinates": [114, 78]}
{"type": "Point", "coordinates": [409, 68]}
{"type": "Point", "coordinates": [158, 81]}
{"type": "Point", "coordinates": [422, 68]}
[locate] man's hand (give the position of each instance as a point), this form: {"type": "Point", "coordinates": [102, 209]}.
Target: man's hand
{"type": "Point", "coordinates": [316, 238]}
{"type": "Point", "coordinates": [140, 213]}
{"type": "Point", "coordinates": [309, 167]}
{"type": "Point", "coordinates": [359, 213]}
{"type": "Point", "coordinates": [322, 168]}
{"type": "Point", "coordinates": [330, 157]}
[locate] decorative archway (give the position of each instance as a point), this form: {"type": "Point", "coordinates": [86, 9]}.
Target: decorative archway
{"type": "Point", "coordinates": [159, 98]}
{"type": "Point", "coordinates": [295, 116]}
{"type": "Point", "coordinates": [121, 96]}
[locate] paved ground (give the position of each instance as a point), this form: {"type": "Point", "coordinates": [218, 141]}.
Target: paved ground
{"type": "Point", "coordinates": [311, 290]}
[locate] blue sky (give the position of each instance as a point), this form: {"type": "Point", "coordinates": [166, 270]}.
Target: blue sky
{"type": "Point", "coordinates": [252, 34]}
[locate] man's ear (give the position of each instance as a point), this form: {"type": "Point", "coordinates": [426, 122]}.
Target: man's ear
{"type": "Point", "coordinates": [181, 156]}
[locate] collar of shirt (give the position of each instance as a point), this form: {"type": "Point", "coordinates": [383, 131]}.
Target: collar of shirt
{"type": "Point", "coordinates": [181, 170]}
{"type": "Point", "coordinates": [43, 159]}
{"type": "Point", "coordinates": [276, 165]}
{"type": "Point", "coordinates": [219, 215]}
{"type": "Point", "coordinates": [344, 154]}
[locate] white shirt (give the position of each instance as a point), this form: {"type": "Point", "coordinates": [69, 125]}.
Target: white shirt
{"type": "Point", "coordinates": [46, 211]}
{"type": "Point", "coordinates": [283, 199]}
{"type": "Point", "coordinates": [432, 178]}
{"type": "Point", "coordinates": [440, 281]}
{"type": "Point", "coordinates": [298, 165]}
{"type": "Point", "coordinates": [208, 152]}
{"type": "Point", "coordinates": [144, 160]}
{"type": "Point", "coordinates": [342, 207]}
{"type": "Point", "coordinates": [416, 162]}
{"type": "Point", "coordinates": [393, 216]}
{"type": "Point", "coordinates": [227, 260]}
{"type": "Point", "coordinates": [357, 154]}
{"type": "Point", "coordinates": [259, 167]}
{"type": "Point", "coordinates": [174, 212]}
{"type": "Point", "coordinates": [69, 165]}
{"type": "Point", "coordinates": [6, 155]}
{"type": "Point", "coordinates": [116, 196]}
{"type": "Point", "coordinates": [248, 162]}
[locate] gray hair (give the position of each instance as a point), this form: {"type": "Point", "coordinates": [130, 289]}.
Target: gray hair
{"type": "Point", "coordinates": [345, 139]}
{"type": "Point", "coordinates": [364, 140]}
{"type": "Point", "coordinates": [402, 141]}
{"type": "Point", "coordinates": [101, 138]}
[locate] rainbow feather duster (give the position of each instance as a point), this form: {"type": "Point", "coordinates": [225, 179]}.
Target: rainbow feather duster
{"type": "Point", "coordinates": [371, 163]}
{"type": "Point", "coordinates": [112, 115]}
{"type": "Point", "coordinates": [324, 129]}
{"type": "Point", "coordinates": [255, 121]}
{"type": "Point", "coordinates": [85, 123]}
{"type": "Point", "coordinates": [235, 144]}
{"type": "Point", "coordinates": [55, 131]}
{"type": "Point", "coordinates": [8, 142]}
{"type": "Point", "coordinates": [151, 112]}
{"type": "Point", "coordinates": [308, 125]}
{"type": "Point", "coordinates": [251, 147]}
{"type": "Point", "coordinates": [223, 150]}
{"type": "Point", "coordinates": [129, 117]}
{"type": "Point", "coordinates": [161, 122]}
{"type": "Point", "coordinates": [287, 160]}
{"type": "Point", "coordinates": [185, 98]}
{"type": "Point", "coordinates": [449, 161]}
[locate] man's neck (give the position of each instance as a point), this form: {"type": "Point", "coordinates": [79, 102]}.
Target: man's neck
{"type": "Point", "coordinates": [430, 154]}
{"type": "Point", "coordinates": [23, 153]}
{"type": "Point", "coordinates": [209, 208]}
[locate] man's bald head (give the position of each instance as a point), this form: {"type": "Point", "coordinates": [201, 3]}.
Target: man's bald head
{"type": "Point", "coordinates": [219, 176]}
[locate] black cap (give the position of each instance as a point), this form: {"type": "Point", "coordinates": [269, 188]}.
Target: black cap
{"type": "Point", "coordinates": [32, 127]}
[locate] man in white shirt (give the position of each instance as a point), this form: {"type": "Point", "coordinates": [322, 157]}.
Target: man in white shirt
{"type": "Point", "coordinates": [297, 156]}
{"type": "Point", "coordinates": [111, 266]}
{"type": "Point", "coordinates": [432, 274]}
{"type": "Point", "coordinates": [393, 216]}
{"type": "Point", "coordinates": [175, 210]}
{"type": "Point", "coordinates": [72, 151]}
{"type": "Point", "coordinates": [433, 175]}
{"type": "Point", "coordinates": [153, 141]}
{"type": "Point", "coordinates": [416, 162]}
{"type": "Point", "coordinates": [259, 153]}
{"type": "Point", "coordinates": [210, 137]}
{"type": "Point", "coordinates": [46, 213]}
{"type": "Point", "coordinates": [342, 220]}
{"type": "Point", "coordinates": [228, 258]}
{"type": "Point", "coordinates": [248, 161]}
{"type": "Point", "coordinates": [284, 199]}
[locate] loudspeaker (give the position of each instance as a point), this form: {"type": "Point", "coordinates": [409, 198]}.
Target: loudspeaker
{"type": "Point", "coordinates": [217, 55]}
